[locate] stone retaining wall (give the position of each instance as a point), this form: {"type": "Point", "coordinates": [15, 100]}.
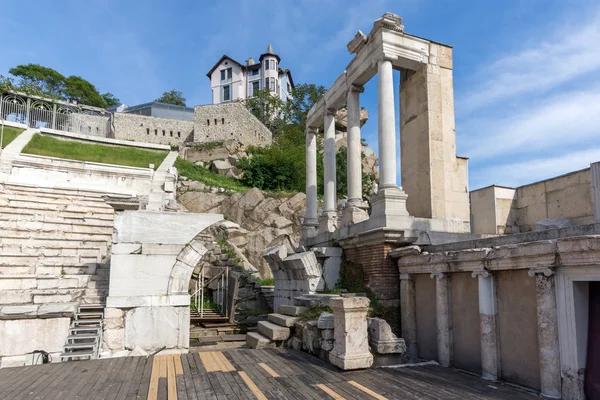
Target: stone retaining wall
{"type": "Point", "coordinates": [141, 128]}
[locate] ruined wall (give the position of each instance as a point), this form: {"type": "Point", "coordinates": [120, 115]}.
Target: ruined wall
{"type": "Point", "coordinates": [517, 318]}
{"type": "Point", "coordinates": [220, 122]}
{"type": "Point", "coordinates": [567, 196]}
{"type": "Point", "coordinates": [493, 211]}
{"type": "Point", "coordinates": [141, 128]}
{"type": "Point", "coordinates": [426, 319]}
{"type": "Point", "coordinates": [465, 322]}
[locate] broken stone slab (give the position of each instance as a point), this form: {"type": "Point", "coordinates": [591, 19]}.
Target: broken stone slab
{"type": "Point", "coordinates": [255, 340]}
{"type": "Point", "coordinates": [381, 338]}
{"type": "Point", "coordinates": [351, 346]}
{"type": "Point", "coordinates": [311, 336]}
{"type": "Point", "coordinates": [325, 321]}
{"type": "Point", "coordinates": [275, 256]}
{"type": "Point", "coordinates": [273, 331]}
{"type": "Point", "coordinates": [296, 343]}
{"type": "Point", "coordinates": [57, 309]}
{"type": "Point", "coordinates": [283, 320]}
{"type": "Point", "coordinates": [138, 352]}
{"type": "Point", "coordinates": [221, 166]}
{"type": "Point", "coordinates": [326, 345]}
{"type": "Point", "coordinates": [292, 311]}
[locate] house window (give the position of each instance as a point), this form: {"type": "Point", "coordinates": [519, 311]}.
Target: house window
{"type": "Point", "coordinates": [222, 74]}
{"type": "Point", "coordinates": [289, 88]}
{"type": "Point", "coordinates": [266, 64]}
{"type": "Point", "coordinates": [171, 132]}
{"type": "Point", "coordinates": [266, 83]}
{"type": "Point", "coordinates": [272, 64]}
{"type": "Point", "coordinates": [147, 131]}
{"type": "Point", "coordinates": [255, 87]}
{"type": "Point", "coordinates": [255, 71]}
{"type": "Point", "coordinates": [226, 74]}
{"type": "Point", "coordinates": [226, 93]}
{"type": "Point", "coordinates": [272, 87]}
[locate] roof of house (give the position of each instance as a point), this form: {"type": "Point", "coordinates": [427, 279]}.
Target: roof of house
{"type": "Point", "coordinates": [289, 74]}
{"type": "Point", "coordinates": [269, 52]}
{"type": "Point", "coordinates": [225, 56]}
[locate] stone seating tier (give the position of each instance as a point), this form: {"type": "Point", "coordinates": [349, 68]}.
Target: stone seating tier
{"type": "Point", "coordinates": [54, 244]}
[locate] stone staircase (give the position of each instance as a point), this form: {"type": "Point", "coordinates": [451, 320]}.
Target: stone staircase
{"type": "Point", "coordinates": [54, 247]}
{"type": "Point", "coordinates": [85, 334]}
{"type": "Point", "coordinates": [277, 330]}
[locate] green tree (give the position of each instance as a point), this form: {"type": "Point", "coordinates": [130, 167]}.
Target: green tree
{"type": "Point", "coordinates": [267, 108]}
{"type": "Point", "coordinates": [174, 97]}
{"type": "Point", "coordinates": [110, 100]}
{"type": "Point", "coordinates": [82, 91]}
{"type": "Point", "coordinates": [304, 96]}
{"type": "Point", "coordinates": [46, 81]}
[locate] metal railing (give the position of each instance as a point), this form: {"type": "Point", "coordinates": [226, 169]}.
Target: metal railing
{"type": "Point", "coordinates": [222, 278]}
{"type": "Point", "coordinates": [39, 113]}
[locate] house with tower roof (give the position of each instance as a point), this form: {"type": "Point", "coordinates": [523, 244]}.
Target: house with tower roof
{"type": "Point", "coordinates": [231, 80]}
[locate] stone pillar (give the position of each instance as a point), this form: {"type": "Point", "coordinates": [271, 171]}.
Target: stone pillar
{"type": "Point", "coordinates": [311, 179]}
{"type": "Point", "coordinates": [329, 220]}
{"type": "Point", "coordinates": [547, 320]}
{"type": "Point", "coordinates": [408, 312]}
{"type": "Point", "coordinates": [351, 349]}
{"type": "Point", "coordinates": [443, 318]}
{"type": "Point", "coordinates": [490, 355]}
{"type": "Point", "coordinates": [386, 125]}
{"type": "Point", "coordinates": [595, 172]}
{"type": "Point", "coordinates": [354, 167]}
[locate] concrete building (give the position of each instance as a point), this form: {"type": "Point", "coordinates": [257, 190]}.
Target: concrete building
{"type": "Point", "coordinates": [231, 80]}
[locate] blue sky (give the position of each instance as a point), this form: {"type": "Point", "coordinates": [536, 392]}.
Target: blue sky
{"type": "Point", "coordinates": [526, 73]}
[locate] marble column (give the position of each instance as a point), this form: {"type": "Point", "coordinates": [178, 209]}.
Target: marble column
{"type": "Point", "coordinates": [443, 318]}
{"type": "Point", "coordinates": [547, 320]}
{"type": "Point", "coordinates": [386, 125]}
{"type": "Point", "coordinates": [354, 167]}
{"type": "Point", "coordinates": [330, 205]}
{"type": "Point", "coordinates": [408, 313]}
{"type": "Point", "coordinates": [351, 346]}
{"type": "Point", "coordinates": [490, 355]}
{"type": "Point", "coordinates": [311, 178]}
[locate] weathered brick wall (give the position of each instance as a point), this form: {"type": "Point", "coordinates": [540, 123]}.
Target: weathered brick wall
{"type": "Point", "coordinates": [141, 128]}
{"type": "Point", "coordinates": [381, 277]}
{"type": "Point", "coordinates": [219, 122]}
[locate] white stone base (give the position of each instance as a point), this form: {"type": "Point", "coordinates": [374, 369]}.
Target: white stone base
{"type": "Point", "coordinates": [355, 361]}
{"type": "Point", "coordinates": [353, 215]}
{"type": "Point", "coordinates": [388, 202]}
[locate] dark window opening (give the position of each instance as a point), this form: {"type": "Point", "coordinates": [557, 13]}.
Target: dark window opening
{"type": "Point", "coordinates": [156, 132]}
{"type": "Point", "coordinates": [178, 134]}
{"type": "Point", "coordinates": [163, 132]}
{"type": "Point", "coordinates": [208, 122]}
{"type": "Point", "coordinates": [215, 121]}
{"type": "Point", "coordinates": [222, 120]}
{"type": "Point", "coordinates": [171, 132]}
{"type": "Point", "coordinates": [147, 131]}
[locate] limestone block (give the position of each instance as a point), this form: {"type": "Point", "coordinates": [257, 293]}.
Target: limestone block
{"type": "Point", "coordinates": [21, 336]}
{"type": "Point", "coordinates": [382, 339]}
{"type": "Point", "coordinates": [250, 199]}
{"type": "Point", "coordinates": [273, 331]}
{"type": "Point", "coordinates": [15, 297]}
{"type": "Point", "coordinates": [140, 275]}
{"type": "Point", "coordinates": [281, 223]}
{"type": "Point", "coordinates": [325, 321]}
{"type": "Point", "coordinates": [296, 343]}
{"type": "Point", "coordinates": [22, 311]}
{"type": "Point", "coordinates": [327, 334]}
{"type": "Point", "coordinates": [293, 311]}
{"type": "Point", "coordinates": [53, 298]}
{"type": "Point", "coordinates": [275, 256]}
{"type": "Point", "coordinates": [61, 309]}
{"type": "Point", "coordinates": [351, 348]}
{"type": "Point", "coordinates": [152, 328]}
{"type": "Point", "coordinates": [138, 352]}
{"type": "Point", "coordinates": [114, 339]}
{"type": "Point", "coordinates": [283, 320]}
{"type": "Point", "coordinates": [326, 345]}
{"type": "Point", "coordinates": [311, 336]}
{"type": "Point", "coordinates": [255, 340]}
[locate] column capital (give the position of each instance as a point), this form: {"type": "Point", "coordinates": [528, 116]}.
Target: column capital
{"type": "Point", "coordinates": [548, 272]}
{"type": "Point", "coordinates": [438, 275]}
{"type": "Point", "coordinates": [330, 111]}
{"type": "Point", "coordinates": [356, 88]}
{"type": "Point", "coordinates": [311, 131]}
{"type": "Point", "coordinates": [406, 277]}
{"type": "Point", "coordinates": [483, 273]}
{"type": "Point", "coordinates": [384, 57]}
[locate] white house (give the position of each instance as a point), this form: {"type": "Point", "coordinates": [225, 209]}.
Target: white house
{"type": "Point", "coordinates": [231, 80]}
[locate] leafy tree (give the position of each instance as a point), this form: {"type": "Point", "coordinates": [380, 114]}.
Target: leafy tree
{"type": "Point", "coordinates": [267, 108]}
{"type": "Point", "coordinates": [174, 97]}
{"type": "Point", "coordinates": [82, 91]}
{"type": "Point", "coordinates": [44, 80]}
{"type": "Point", "coordinates": [304, 96]}
{"type": "Point", "coordinates": [110, 100]}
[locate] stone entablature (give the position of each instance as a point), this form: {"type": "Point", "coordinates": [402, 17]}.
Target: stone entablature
{"type": "Point", "coordinates": [556, 329]}
{"type": "Point", "coordinates": [222, 122]}
{"type": "Point", "coordinates": [141, 128]}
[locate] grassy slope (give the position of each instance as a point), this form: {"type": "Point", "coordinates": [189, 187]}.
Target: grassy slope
{"type": "Point", "coordinates": [119, 155]}
{"type": "Point", "coordinates": [10, 134]}
{"type": "Point", "coordinates": [210, 178]}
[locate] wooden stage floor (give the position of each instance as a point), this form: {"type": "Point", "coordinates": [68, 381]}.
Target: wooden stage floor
{"type": "Point", "coordinates": [240, 374]}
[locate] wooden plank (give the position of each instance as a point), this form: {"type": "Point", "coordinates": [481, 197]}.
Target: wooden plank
{"type": "Point", "coordinates": [115, 380]}
{"type": "Point", "coordinates": [367, 390]}
{"type": "Point", "coordinates": [208, 361]}
{"type": "Point", "coordinates": [202, 383]}
{"type": "Point", "coordinates": [269, 370]}
{"type": "Point", "coordinates": [171, 382]}
{"type": "Point", "coordinates": [252, 386]}
{"type": "Point", "coordinates": [88, 370]}
{"type": "Point", "coordinates": [178, 364]}
{"type": "Point", "coordinates": [153, 389]}
{"type": "Point", "coordinates": [330, 392]}
{"type": "Point", "coordinates": [226, 365]}
{"type": "Point", "coordinates": [137, 377]}
{"type": "Point", "coordinates": [46, 373]}
{"type": "Point", "coordinates": [187, 376]}
{"type": "Point", "coordinates": [67, 371]}
{"type": "Point", "coordinates": [144, 386]}
{"type": "Point", "coordinates": [128, 377]}
{"type": "Point", "coordinates": [105, 369]}
{"type": "Point", "coordinates": [162, 388]}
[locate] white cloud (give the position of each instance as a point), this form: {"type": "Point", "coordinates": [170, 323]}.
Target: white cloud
{"type": "Point", "coordinates": [521, 173]}
{"type": "Point", "coordinates": [569, 53]}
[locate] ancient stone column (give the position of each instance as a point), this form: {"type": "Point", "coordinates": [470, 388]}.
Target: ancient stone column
{"type": "Point", "coordinates": [490, 358]}
{"type": "Point", "coordinates": [408, 312]}
{"type": "Point", "coordinates": [354, 167]}
{"type": "Point", "coordinates": [547, 320]}
{"type": "Point", "coordinates": [387, 125]}
{"type": "Point", "coordinates": [351, 349]}
{"type": "Point", "coordinates": [443, 318]}
{"type": "Point", "coordinates": [329, 163]}
{"type": "Point", "coordinates": [311, 178]}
